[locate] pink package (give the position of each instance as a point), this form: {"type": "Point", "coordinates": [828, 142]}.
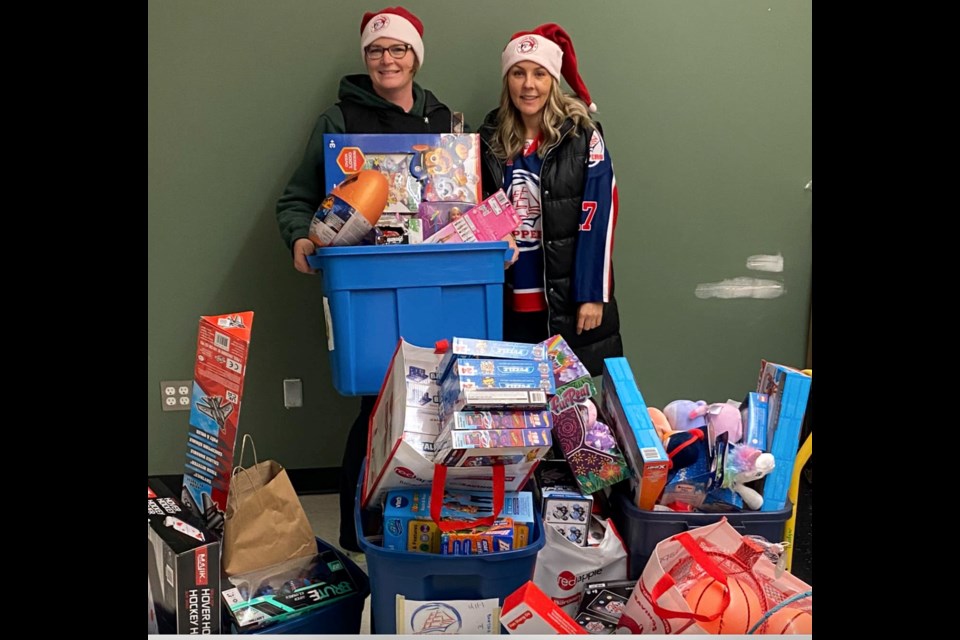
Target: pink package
{"type": "Point", "coordinates": [436, 215]}
{"type": "Point", "coordinates": [489, 221]}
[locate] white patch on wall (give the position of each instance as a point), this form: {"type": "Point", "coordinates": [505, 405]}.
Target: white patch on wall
{"type": "Point", "coordinates": [741, 288]}
{"type": "Point", "coordinates": [765, 263]}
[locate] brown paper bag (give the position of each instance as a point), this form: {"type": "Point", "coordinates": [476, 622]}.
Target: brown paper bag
{"type": "Point", "coordinates": [264, 522]}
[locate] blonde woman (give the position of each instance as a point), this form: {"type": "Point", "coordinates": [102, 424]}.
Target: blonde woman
{"type": "Point", "coordinates": [545, 151]}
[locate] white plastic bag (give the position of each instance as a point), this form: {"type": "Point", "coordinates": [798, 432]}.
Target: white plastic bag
{"type": "Point", "coordinates": [564, 568]}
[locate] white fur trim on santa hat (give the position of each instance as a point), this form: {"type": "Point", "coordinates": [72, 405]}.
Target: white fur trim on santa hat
{"type": "Point", "coordinates": [534, 48]}
{"type": "Point", "coordinates": [391, 25]}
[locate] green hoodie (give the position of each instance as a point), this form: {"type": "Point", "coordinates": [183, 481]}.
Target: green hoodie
{"type": "Point", "coordinates": [306, 188]}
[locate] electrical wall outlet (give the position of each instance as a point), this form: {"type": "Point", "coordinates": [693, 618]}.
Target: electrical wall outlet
{"type": "Point", "coordinates": [175, 394]}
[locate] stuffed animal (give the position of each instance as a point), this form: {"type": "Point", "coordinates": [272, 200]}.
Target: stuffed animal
{"type": "Point", "coordinates": [723, 418]}
{"type": "Point", "coordinates": [682, 449]}
{"type": "Point", "coordinates": [745, 464]}
{"type": "Point", "coordinates": [660, 423]}
{"type": "Point", "coordinates": [682, 417]}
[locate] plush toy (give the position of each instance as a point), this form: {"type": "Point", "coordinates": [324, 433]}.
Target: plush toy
{"type": "Point", "coordinates": [660, 423]}
{"type": "Point", "coordinates": [596, 433]}
{"type": "Point", "coordinates": [681, 447]}
{"type": "Point", "coordinates": [745, 464]}
{"type": "Point", "coordinates": [723, 418]}
{"type": "Point", "coordinates": [680, 414]}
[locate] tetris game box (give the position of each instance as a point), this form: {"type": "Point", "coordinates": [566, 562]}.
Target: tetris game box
{"type": "Point", "coordinates": [183, 566]}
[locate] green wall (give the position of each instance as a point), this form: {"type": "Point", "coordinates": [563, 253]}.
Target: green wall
{"type": "Point", "coordinates": [706, 106]}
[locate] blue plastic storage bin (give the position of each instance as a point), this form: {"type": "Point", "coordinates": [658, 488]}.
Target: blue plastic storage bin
{"type": "Point", "coordinates": [427, 576]}
{"type": "Point", "coordinates": [373, 295]}
{"type": "Point", "coordinates": [341, 617]}
{"type": "Point", "coordinates": [641, 530]}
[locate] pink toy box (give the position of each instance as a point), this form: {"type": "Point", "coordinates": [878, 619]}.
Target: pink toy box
{"type": "Point", "coordinates": [491, 220]}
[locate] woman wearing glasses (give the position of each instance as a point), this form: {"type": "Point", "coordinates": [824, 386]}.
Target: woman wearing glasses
{"type": "Point", "coordinates": [384, 100]}
{"type": "Point", "coordinates": [543, 149]}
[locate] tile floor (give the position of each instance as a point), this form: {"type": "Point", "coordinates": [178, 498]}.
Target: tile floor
{"type": "Point", "coordinates": [323, 511]}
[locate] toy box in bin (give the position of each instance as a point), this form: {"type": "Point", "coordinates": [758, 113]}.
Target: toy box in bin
{"type": "Point", "coordinates": [342, 615]}
{"type": "Point", "coordinates": [417, 576]}
{"type": "Point", "coordinates": [420, 167]}
{"type": "Point", "coordinates": [641, 530]}
{"type": "Point", "coordinates": [374, 295]}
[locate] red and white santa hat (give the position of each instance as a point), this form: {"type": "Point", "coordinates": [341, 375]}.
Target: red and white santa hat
{"type": "Point", "coordinates": [392, 22]}
{"type": "Point", "coordinates": [549, 46]}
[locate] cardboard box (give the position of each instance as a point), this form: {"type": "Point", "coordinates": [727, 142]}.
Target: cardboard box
{"type": "Point", "coordinates": [473, 348]}
{"type": "Point", "coordinates": [393, 463]}
{"type": "Point", "coordinates": [218, 376]}
{"type": "Point", "coordinates": [499, 420]}
{"type": "Point", "coordinates": [491, 220]}
{"type": "Point", "coordinates": [753, 415]}
{"type": "Point", "coordinates": [529, 611]}
{"type": "Point", "coordinates": [407, 525]}
{"type": "Point", "coordinates": [627, 412]}
{"type": "Point", "coordinates": [787, 391]}
{"type": "Point", "coordinates": [487, 447]}
{"type": "Point", "coordinates": [433, 216]}
{"type": "Point", "coordinates": [183, 566]}
{"type": "Point", "coordinates": [603, 602]}
{"type": "Point", "coordinates": [427, 167]}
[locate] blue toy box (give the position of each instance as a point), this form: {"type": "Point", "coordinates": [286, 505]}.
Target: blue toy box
{"type": "Point", "coordinates": [374, 295]}
{"type": "Point", "coordinates": [627, 411]}
{"type": "Point", "coordinates": [787, 390]}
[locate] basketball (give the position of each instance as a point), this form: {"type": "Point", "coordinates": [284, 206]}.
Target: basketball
{"type": "Point", "coordinates": [743, 612]}
{"type": "Point", "coordinates": [788, 620]}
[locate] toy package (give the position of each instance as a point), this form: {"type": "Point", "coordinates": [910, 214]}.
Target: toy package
{"type": "Point", "coordinates": [221, 367]}
{"type": "Point", "coordinates": [492, 373]}
{"type": "Point", "coordinates": [494, 399]}
{"type": "Point", "coordinates": [589, 447]}
{"type": "Point", "coordinates": [479, 540]}
{"type": "Point", "coordinates": [488, 447]}
{"type": "Point", "coordinates": [407, 525]}
{"type": "Point", "coordinates": [429, 167]}
{"type": "Point", "coordinates": [499, 420]}
{"type": "Point", "coordinates": [261, 598]}
{"type": "Point", "coordinates": [393, 463]}
{"type": "Point", "coordinates": [474, 348]}
{"type": "Point", "coordinates": [602, 603]}
{"type": "Point", "coordinates": [567, 367]}
{"type": "Point", "coordinates": [787, 390]}
{"type": "Point", "coordinates": [642, 447]}
{"type": "Point", "coordinates": [183, 566]}
{"type": "Point", "coordinates": [491, 220]}
{"type": "Point", "coordinates": [563, 505]}
{"type": "Point", "coordinates": [753, 412]}
{"type": "Point", "coordinates": [433, 216]}
{"type": "Point", "coordinates": [529, 611]}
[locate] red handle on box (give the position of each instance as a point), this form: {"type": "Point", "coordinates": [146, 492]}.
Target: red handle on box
{"type": "Point", "coordinates": [436, 500]}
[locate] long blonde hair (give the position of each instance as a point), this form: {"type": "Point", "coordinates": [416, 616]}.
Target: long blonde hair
{"type": "Point", "coordinates": [510, 136]}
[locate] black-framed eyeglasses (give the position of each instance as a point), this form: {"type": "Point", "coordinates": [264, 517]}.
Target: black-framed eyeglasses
{"type": "Point", "coordinates": [397, 51]}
